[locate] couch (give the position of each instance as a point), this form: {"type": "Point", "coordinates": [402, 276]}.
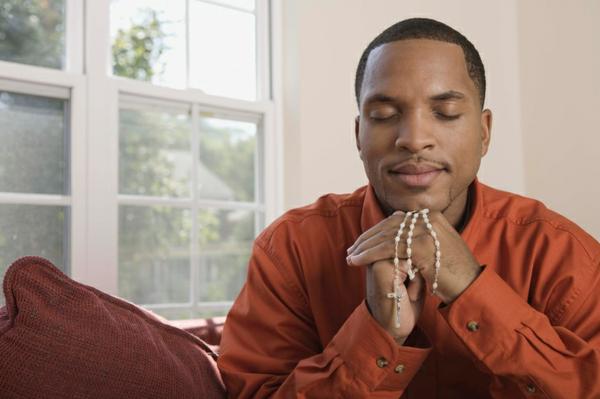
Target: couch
{"type": "Point", "coordinates": [62, 339]}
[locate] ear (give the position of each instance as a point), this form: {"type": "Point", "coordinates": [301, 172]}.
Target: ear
{"type": "Point", "coordinates": [486, 130]}
{"type": "Point", "coordinates": [356, 134]}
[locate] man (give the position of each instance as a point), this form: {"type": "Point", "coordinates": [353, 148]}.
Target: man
{"type": "Point", "coordinates": [515, 311]}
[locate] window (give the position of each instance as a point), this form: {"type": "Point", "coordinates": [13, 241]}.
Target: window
{"type": "Point", "coordinates": [207, 45]}
{"type": "Point", "coordinates": [33, 32]}
{"type": "Point", "coordinates": [145, 170]}
{"type": "Point", "coordinates": [190, 204]}
{"type": "Point", "coordinates": [34, 176]}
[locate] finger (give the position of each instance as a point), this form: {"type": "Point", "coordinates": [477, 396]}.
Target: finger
{"type": "Point", "coordinates": [365, 236]}
{"type": "Point", "coordinates": [383, 251]}
{"type": "Point", "coordinates": [388, 236]}
{"type": "Point", "coordinates": [439, 221]}
{"type": "Point", "coordinates": [418, 242]}
{"type": "Point", "coordinates": [402, 271]}
{"type": "Point", "coordinates": [395, 218]}
{"type": "Point", "coordinates": [382, 232]}
{"type": "Point", "coordinates": [372, 241]}
{"type": "Point", "coordinates": [382, 248]}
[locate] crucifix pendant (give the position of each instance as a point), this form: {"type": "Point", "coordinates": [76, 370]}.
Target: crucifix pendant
{"type": "Point", "coordinates": [397, 297]}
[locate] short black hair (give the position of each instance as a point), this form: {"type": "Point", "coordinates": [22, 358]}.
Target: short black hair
{"type": "Point", "coordinates": [425, 28]}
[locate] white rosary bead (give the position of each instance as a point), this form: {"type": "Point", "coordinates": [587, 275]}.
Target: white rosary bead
{"type": "Point", "coordinates": [438, 252]}
{"type": "Point", "coordinates": [396, 295]}
{"type": "Point", "coordinates": [411, 272]}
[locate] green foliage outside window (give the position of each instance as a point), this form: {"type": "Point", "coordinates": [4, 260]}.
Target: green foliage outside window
{"type": "Point", "coordinates": [154, 242]}
{"type": "Point", "coordinates": [33, 32]}
{"type": "Point", "coordinates": [154, 250]}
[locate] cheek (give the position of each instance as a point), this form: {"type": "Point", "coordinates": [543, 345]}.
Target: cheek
{"type": "Point", "coordinates": [467, 158]}
{"type": "Point", "coordinates": [371, 157]}
{"type": "Point", "coordinates": [462, 144]}
{"type": "Point", "coordinates": [374, 146]}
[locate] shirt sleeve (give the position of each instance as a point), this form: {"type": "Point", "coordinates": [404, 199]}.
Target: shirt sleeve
{"type": "Point", "coordinates": [271, 348]}
{"type": "Point", "coordinates": [522, 347]}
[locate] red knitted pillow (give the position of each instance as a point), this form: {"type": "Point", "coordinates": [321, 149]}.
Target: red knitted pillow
{"type": "Point", "coordinates": [62, 339]}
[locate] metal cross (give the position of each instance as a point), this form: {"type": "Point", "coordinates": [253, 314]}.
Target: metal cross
{"type": "Point", "coordinates": [397, 297]}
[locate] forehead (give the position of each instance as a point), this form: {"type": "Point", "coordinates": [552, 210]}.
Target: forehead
{"type": "Point", "coordinates": [415, 68]}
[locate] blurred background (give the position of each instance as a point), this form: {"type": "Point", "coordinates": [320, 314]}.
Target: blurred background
{"type": "Point", "coordinates": [145, 143]}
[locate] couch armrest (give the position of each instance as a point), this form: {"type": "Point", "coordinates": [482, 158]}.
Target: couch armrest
{"type": "Point", "coordinates": [208, 330]}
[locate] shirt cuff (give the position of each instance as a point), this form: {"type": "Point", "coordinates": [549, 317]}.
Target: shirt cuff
{"type": "Point", "coordinates": [373, 355]}
{"type": "Point", "coordinates": [487, 314]}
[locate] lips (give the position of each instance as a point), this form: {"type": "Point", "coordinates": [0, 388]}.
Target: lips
{"type": "Point", "coordinates": [417, 175]}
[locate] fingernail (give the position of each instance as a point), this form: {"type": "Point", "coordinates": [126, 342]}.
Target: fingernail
{"type": "Point", "coordinates": [349, 260]}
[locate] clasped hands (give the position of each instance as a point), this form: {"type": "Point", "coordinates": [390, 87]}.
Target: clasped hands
{"type": "Point", "coordinates": [375, 248]}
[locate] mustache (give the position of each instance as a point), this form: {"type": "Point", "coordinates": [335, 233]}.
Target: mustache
{"type": "Point", "coordinates": [420, 159]}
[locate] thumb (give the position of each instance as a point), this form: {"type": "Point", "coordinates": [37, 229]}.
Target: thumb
{"type": "Point", "coordinates": [416, 288]}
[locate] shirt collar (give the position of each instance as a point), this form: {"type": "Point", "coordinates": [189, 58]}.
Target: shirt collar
{"type": "Point", "coordinates": [371, 210]}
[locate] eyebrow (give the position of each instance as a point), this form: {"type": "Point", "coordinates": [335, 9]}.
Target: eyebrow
{"type": "Point", "coordinates": [445, 96]}
{"type": "Point", "coordinates": [379, 98]}
{"type": "Point", "coordinates": [448, 95]}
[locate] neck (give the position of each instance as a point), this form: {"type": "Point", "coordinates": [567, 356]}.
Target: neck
{"type": "Point", "coordinates": [457, 213]}
{"type": "Point", "coordinates": [466, 212]}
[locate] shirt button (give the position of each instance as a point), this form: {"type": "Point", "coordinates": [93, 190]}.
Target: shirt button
{"type": "Point", "coordinates": [399, 368]}
{"type": "Point", "coordinates": [531, 388]}
{"type": "Point", "coordinates": [381, 362]}
{"type": "Point", "coordinates": [472, 326]}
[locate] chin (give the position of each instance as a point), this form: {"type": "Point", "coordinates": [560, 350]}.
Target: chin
{"type": "Point", "coordinates": [416, 201]}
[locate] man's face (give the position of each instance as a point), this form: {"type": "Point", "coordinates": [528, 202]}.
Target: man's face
{"type": "Point", "coordinates": [421, 133]}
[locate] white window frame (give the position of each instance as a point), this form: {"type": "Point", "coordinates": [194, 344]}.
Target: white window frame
{"type": "Point", "coordinates": [94, 104]}
{"type": "Point", "coordinates": [68, 84]}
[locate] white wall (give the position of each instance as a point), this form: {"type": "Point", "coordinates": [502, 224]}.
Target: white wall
{"type": "Point", "coordinates": [323, 41]}
{"type": "Point", "coordinates": [560, 98]}
{"type": "Point", "coordinates": [542, 58]}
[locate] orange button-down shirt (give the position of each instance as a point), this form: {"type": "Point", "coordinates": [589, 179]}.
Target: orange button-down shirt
{"type": "Point", "coordinates": [528, 326]}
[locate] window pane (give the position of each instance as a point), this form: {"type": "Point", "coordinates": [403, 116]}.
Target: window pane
{"type": "Point", "coordinates": [155, 153]}
{"type": "Point", "coordinates": [225, 242]}
{"type": "Point", "coordinates": [247, 5]}
{"type": "Point", "coordinates": [227, 167]}
{"type": "Point", "coordinates": [33, 230]}
{"type": "Point", "coordinates": [148, 40]}
{"type": "Point", "coordinates": [222, 51]}
{"type": "Point", "coordinates": [33, 154]}
{"type": "Point", "coordinates": [32, 32]}
{"type": "Point", "coordinates": [154, 254]}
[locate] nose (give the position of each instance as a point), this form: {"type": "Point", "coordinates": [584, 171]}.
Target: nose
{"type": "Point", "coordinates": [414, 133]}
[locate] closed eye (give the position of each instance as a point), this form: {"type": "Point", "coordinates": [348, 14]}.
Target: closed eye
{"type": "Point", "coordinates": [383, 113]}
{"type": "Point", "coordinates": [383, 117]}
{"type": "Point", "coordinates": [446, 117]}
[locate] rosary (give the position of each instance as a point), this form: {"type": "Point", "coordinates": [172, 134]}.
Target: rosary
{"type": "Point", "coordinates": [397, 294]}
